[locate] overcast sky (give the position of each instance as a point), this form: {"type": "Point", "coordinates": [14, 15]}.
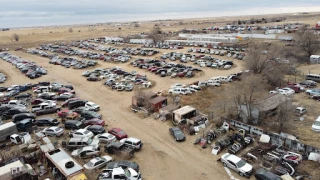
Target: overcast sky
{"type": "Point", "coordinates": [26, 13]}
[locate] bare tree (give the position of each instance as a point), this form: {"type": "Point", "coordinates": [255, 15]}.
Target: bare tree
{"type": "Point", "coordinates": [156, 34]}
{"type": "Point", "coordinates": [285, 112]}
{"type": "Point", "coordinates": [15, 37]}
{"type": "Point", "coordinates": [245, 93]}
{"type": "Point", "coordinates": [70, 30]}
{"type": "Point", "coordinates": [258, 57]}
{"type": "Point", "coordinates": [307, 41]}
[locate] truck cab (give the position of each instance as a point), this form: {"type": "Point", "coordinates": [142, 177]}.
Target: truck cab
{"type": "Point", "coordinates": [119, 173]}
{"type": "Point", "coordinates": [20, 138]}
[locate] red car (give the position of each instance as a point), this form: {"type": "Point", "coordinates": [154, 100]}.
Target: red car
{"type": "Point", "coordinates": [118, 133]}
{"type": "Point", "coordinates": [65, 104]}
{"type": "Point", "coordinates": [94, 121]}
{"type": "Point", "coordinates": [37, 101]}
{"type": "Point", "coordinates": [64, 113]}
{"type": "Point", "coordinates": [4, 100]}
{"type": "Point", "coordinates": [64, 90]}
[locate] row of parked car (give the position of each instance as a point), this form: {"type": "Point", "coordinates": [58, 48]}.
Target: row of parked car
{"type": "Point", "coordinates": [164, 68]}
{"type": "Point", "coordinates": [118, 79]}
{"type": "Point", "coordinates": [182, 89]}
{"type": "Point", "coordinates": [30, 69]}
{"type": "Point", "coordinates": [87, 133]}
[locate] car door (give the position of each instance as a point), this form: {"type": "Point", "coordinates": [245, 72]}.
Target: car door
{"type": "Point", "coordinates": [99, 164]}
{"type": "Point", "coordinates": [49, 132]}
{"type": "Point", "coordinates": [129, 143]}
{"type": "Point", "coordinates": [231, 165]}
{"type": "Point", "coordinates": [83, 154]}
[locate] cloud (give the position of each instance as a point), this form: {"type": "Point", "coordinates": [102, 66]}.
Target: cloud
{"type": "Point", "coordinates": [55, 12]}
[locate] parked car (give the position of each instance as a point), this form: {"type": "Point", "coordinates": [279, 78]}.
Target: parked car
{"type": "Point", "coordinates": [94, 121]}
{"type": "Point", "coordinates": [64, 113]}
{"type": "Point", "coordinates": [46, 121]}
{"type": "Point", "coordinates": [316, 125]}
{"type": "Point", "coordinates": [177, 134]}
{"type": "Point", "coordinates": [75, 143]}
{"type": "Point", "coordinates": [12, 111]}
{"type": "Point", "coordinates": [62, 97]}
{"type": "Point", "coordinates": [94, 79]}
{"type": "Point", "coordinates": [96, 129]}
{"type": "Point", "coordinates": [73, 124]}
{"type": "Point", "coordinates": [98, 162]}
{"type": "Point", "coordinates": [300, 111]}
{"type": "Point", "coordinates": [133, 142]}
{"type": "Point", "coordinates": [123, 164]}
{"type": "Point", "coordinates": [87, 151]}
{"type": "Point", "coordinates": [105, 137]}
{"type": "Point", "coordinates": [92, 106]}
{"type": "Point", "coordinates": [53, 131]}
{"type": "Point", "coordinates": [19, 117]}
{"type": "Point", "coordinates": [118, 133]}
{"type": "Point", "coordinates": [22, 96]}
{"type": "Point", "coordinates": [81, 133]}
{"type": "Point", "coordinates": [65, 104]}
{"type": "Point", "coordinates": [90, 115]}
{"type": "Point", "coordinates": [264, 174]}
{"type": "Point", "coordinates": [237, 164]}
{"type": "Point", "coordinates": [48, 110]}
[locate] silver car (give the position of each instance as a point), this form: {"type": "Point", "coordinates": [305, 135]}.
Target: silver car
{"type": "Point", "coordinates": [53, 131]}
{"type": "Point", "coordinates": [237, 164]}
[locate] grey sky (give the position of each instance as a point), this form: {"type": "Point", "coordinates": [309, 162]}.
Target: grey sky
{"type": "Point", "coordinates": [26, 13]}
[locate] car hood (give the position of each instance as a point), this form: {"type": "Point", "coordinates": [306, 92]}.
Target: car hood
{"type": "Point", "coordinates": [75, 152]}
{"type": "Point", "coordinates": [315, 127]}
{"type": "Point", "coordinates": [180, 136]}
{"type": "Point", "coordinates": [246, 168]}
{"type": "Point", "coordinates": [95, 142]}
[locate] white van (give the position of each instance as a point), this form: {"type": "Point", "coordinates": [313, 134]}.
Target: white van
{"type": "Point", "coordinates": [212, 82]}
{"type": "Point", "coordinates": [42, 89]}
{"type": "Point", "coordinates": [183, 91]}
{"type": "Point", "coordinates": [201, 61]}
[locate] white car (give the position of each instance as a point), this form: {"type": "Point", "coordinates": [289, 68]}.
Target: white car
{"type": "Point", "coordinates": [87, 151]}
{"type": "Point", "coordinates": [289, 90]}
{"type": "Point", "coordinates": [98, 162]}
{"type": "Point", "coordinates": [92, 106]}
{"type": "Point", "coordinates": [105, 137]}
{"type": "Point", "coordinates": [183, 91]}
{"type": "Point", "coordinates": [133, 142]}
{"type": "Point", "coordinates": [178, 86]}
{"type": "Point", "coordinates": [81, 133]}
{"type": "Point", "coordinates": [316, 125]}
{"type": "Point", "coordinates": [195, 87]}
{"type": "Point", "coordinates": [53, 131]}
{"type": "Point", "coordinates": [46, 93]}
{"type": "Point", "coordinates": [237, 164]}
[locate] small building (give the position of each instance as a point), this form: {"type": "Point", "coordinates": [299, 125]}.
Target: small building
{"type": "Point", "coordinates": [262, 109]}
{"type": "Point", "coordinates": [138, 101]}
{"type": "Point", "coordinates": [314, 59]}
{"type": "Point", "coordinates": [169, 109]}
{"type": "Point", "coordinates": [141, 41]}
{"type": "Point", "coordinates": [186, 112]}
{"type": "Point", "coordinates": [158, 102]}
{"type": "Point", "coordinates": [14, 170]}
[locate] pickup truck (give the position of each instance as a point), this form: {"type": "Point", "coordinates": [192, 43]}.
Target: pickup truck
{"type": "Point", "coordinates": [120, 148]}
{"type": "Point", "coordinates": [47, 110]}
{"type": "Point", "coordinates": [119, 173]}
{"type": "Point", "coordinates": [42, 106]}
{"type": "Point", "coordinates": [13, 103]}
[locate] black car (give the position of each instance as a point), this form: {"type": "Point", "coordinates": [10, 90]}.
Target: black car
{"type": "Point", "coordinates": [22, 116]}
{"type": "Point", "coordinates": [2, 89]}
{"type": "Point", "coordinates": [22, 96]}
{"type": "Point", "coordinates": [62, 97]}
{"type": "Point", "coordinates": [44, 83]}
{"type": "Point", "coordinates": [47, 121]}
{"type": "Point", "coordinates": [90, 115]}
{"type": "Point", "coordinates": [123, 164]}
{"type": "Point", "coordinates": [96, 129]}
{"type": "Point", "coordinates": [69, 87]}
{"type": "Point", "coordinates": [46, 96]}
{"type": "Point", "coordinates": [9, 113]}
{"type": "Point", "coordinates": [33, 75]}
{"type": "Point", "coordinates": [177, 134]}
{"type": "Point", "coordinates": [93, 79]}
{"type": "Point", "coordinates": [264, 174]}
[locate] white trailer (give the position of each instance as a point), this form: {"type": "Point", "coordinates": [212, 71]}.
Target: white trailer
{"type": "Point", "coordinates": [314, 59]}
{"type": "Point", "coordinates": [6, 130]}
{"type": "Point", "coordinates": [13, 170]}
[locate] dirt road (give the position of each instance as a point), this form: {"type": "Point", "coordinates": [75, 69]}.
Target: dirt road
{"type": "Point", "coordinates": [161, 157]}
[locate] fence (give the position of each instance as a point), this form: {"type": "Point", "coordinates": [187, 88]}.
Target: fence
{"type": "Point", "coordinates": [276, 139]}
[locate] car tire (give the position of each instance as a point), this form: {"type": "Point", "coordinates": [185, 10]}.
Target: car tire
{"type": "Point", "coordinates": [241, 174]}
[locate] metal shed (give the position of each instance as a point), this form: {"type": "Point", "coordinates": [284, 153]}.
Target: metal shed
{"type": "Point", "coordinates": [314, 59]}
{"type": "Point", "coordinates": [158, 102]}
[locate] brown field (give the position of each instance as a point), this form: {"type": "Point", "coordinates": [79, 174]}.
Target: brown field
{"type": "Point", "coordinates": [161, 157]}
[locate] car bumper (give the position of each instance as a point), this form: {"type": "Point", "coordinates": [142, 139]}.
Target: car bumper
{"type": "Point", "coordinates": [315, 130]}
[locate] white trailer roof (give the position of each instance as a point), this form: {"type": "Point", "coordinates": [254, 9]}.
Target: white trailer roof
{"type": "Point", "coordinates": [315, 56]}
{"type": "Point", "coordinates": [7, 168]}
{"type": "Point", "coordinates": [184, 110]}
{"type": "Point", "coordinates": [60, 158]}
{"type": "Point", "coordinates": [6, 125]}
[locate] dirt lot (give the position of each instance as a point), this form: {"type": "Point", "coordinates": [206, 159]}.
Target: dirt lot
{"type": "Point", "coordinates": [161, 157]}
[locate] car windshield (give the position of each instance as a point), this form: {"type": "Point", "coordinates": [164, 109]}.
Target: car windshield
{"type": "Point", "coordinates": [121, 132]}
{"type": "Point", "coordinates": [78, 124]}
{"type": "Point", "coordinates": [127, 172]}
{"type": "Point", "coordinates": [58, 129]}
{"type": "Point", "coordinates": [316, 123]}
{"type": "Point", "coordinates": [86, 132]}
{"type": "Point", "coordinates": [90, 164]}
{"type": "Point", "coordinates": [110, 136]}
{"type": "Point", "coordinates": [241, 163]}
{"type": "Point", "coordinates": [89, 141]}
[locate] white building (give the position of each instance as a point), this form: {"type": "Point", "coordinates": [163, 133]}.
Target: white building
{"type": "Point", "coordinates": [314, 59]}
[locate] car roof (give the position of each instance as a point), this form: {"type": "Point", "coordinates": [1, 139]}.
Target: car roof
{"type": "Point", "coordinates": [81, 130]}
{"type": "Point", "coordinates": [117, 129]}
{"type": "Point", "coordinates": [132, 139]}
{"type": "Point", "coordinates": [233, 158]}
{"type": "Point", "coordinates": [88, 148]}
{"type": "Point", "coordinates": [53, 127]}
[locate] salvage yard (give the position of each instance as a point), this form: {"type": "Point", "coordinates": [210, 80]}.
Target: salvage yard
{"type": "Point", "coordinates": [159, 149]}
